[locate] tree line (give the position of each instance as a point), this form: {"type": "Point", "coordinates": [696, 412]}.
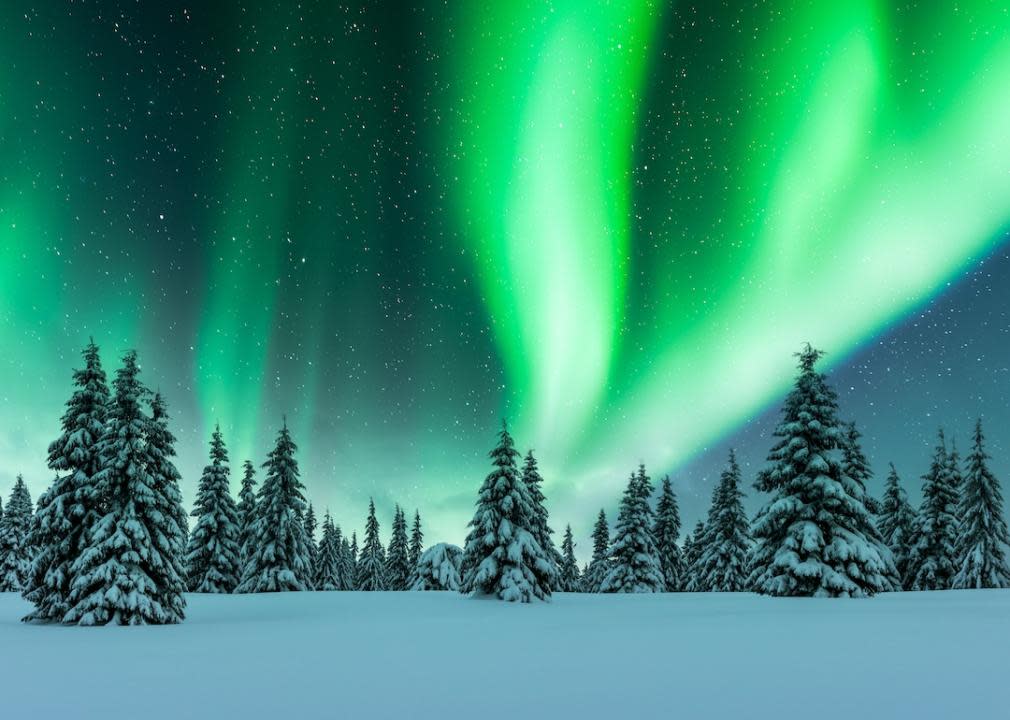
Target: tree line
{"type": "Point", "coordinates": [109, 542]}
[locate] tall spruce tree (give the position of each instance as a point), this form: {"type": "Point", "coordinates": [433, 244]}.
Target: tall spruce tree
{"type": "Point", "coordinates": [398, 567]}
{"type": "Point", "coordinates": [311, 524]}
{"type": "Point", "coordinates": [416, 542]}
{"type": "Point", "coordinates": [352, 562]}
{"type": "Point", "coordinates": [278, 558]}
{"type": "Point", "coordinates": [694, 546]}
{"type": "Point", "coordinates": [541, 527]}
{"type": "Point", "coordinates": [502, 556]}
{"type": "Point", "coordinates": [982, 539]}
{"type": "Point", "coordinates": [896, 523]}
{"type": "Point", "coordinates": [160, 451]}
{"type": "Point", "coordinates": [212, 561]}
{"type": "Point", "coordinates": [328, 568]}
{"type": "Point", "coordinates": [130, 571]}
{"type": "Point", "coordinates": [667, 534]}
{"type": "Point", "coordinates": [15, 550]}
{"type": "Point", "coordinates": [347, 565]}
{"type": "Point", "coordinates": [599, 565]}
{"type": "Point", "coordinates": [246, 511]}
{"type": "Point", "coordinates": [934, 560]}
{"type": "Point", "coordinates": [568, 577]}
{"type": "Point", "coordinates": [722, 565]}
{"type": "Point", "coordinates": [70, 506]}
{"type": "Point", "coordinates": [636, 566]}
{"type": "Point", "coordinates": [815, 536]}
{"type": "Point", "coordinates": [371, 568]}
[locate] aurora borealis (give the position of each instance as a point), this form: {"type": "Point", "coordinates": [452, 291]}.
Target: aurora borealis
{"type": "Point", "coordinates": [396, 223]}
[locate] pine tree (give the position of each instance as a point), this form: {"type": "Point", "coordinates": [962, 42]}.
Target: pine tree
{"type": "Point", "coordinates": [398, 566]}
{"type": "Point", "coordinates": [371, 568]}
{"type": "Point", "coordinates": [934, 560]}
{"type": "Point", "coordinates": [694, 545]}
{"type": "Point", "coordinates": [69, 508]}
{"type": "Point", "coordinates": [815, 536]}
{"type": "Point", "coordinates": [160, 451]}
{"type": "Point", "coordinates": [438, 569]}
{"type": "Point", "coordinates": [896, 524]}
{"type": "Point", "coordinates": [722, 564]}
{"type": "Point", "coordinates": [246, 512]}
{"type": "Point", "coordinates": [982, 540]}
{"type": "Point", "coordinates": [667, 534]}
{"type": "Point", "coordinates": [541, 529]}
{"type": "Point", "coordinates": [130, 569]}
{"type": "Point", "coordinates": [636, 566]}
{"type": "Point", "coordinates": [502, 556]}
{"type": "Point", "coordinates": [416, 542]}
{"type": "Point", "coordinates": [568, 577]}
{"type": "Point", "coordinates": [328, 568]}
{"type": "Point", "coordinates": [352, 562]}
{"type": "Point", "coordinates": [311, 524]}
{"type": "Point", "coordinates": [599, 565]}
{"type": "Point", "coordinates": [347, 565]}
{"type": "Point", "coordinates": [212, 560]}
{"type": "Point", "coordinates": [279, 557]}
{"type": "Point", "coordinates": [15, 551]}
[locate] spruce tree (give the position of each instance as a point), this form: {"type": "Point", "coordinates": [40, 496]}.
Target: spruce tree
{"type": "Point", "coordinates": [694, 545]}
{"type": "Point", "coordinates": [896, 524]}
{"type": "Point", "coordinates": [599, 565]}
{"type": "Point", "coordinates": [722, 563]}
{"type": "Point", "coordinates": [347, 565]}
{"type": "Point", "coordinates": [568, 577]}
{"type": "Point", "coordinates": [398, 567]}
{"type": "Point", "coordinates": [416, 542]}
{"type": "Point", "coordinates": [311, 524]}
{"type": "Point", "coordinates": [636, 566]}
{"type": "Point", "coordinates": [70, 506]}
{"type": "Point", "coordinates": [371, 568]}
{"type": "Point", "coordinates": [982, 539]}
{"type": "Point", "coordinates": [352, 562]}
{"type": "Point", "coordinates": [667, 534]}
{"type": "Point", "coordinates": [15, 551]}
{"type": "Point", "coordinates": [212, 560]}
{"type": "Point", "coordinates": [130, 571]}
{"type": "Point", "coordinates": [502, 556]}
{"type": "Point", "coordinates": [438, 568]}
{"type": "Point", "coordinates": [934, 560]}
{"type": "Point", "coordinates": [246, 511]}
{"type": "Point", "coordinates": [328, 566]}
{"type": "Point", "coordinates": [815, 536]}
{"type": "Point", "coordinates": [278, 559]}
{"type": "Point", "coordinates": [541, 528]}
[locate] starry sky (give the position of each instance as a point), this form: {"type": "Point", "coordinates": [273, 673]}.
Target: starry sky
{"type": "Point", "coordinates": [611, 223]}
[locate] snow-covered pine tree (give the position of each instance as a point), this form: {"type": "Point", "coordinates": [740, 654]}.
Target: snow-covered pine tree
{"type": "Point", "coordinates": [667, 534]}
{"type": "Point", "coordinates": [722, 564]}
{"type": "Point", "coordinates": [398, 567]}
{"type": "Point", "coordinates": [568, 576]}
{"type": "Point", "coordinates": [311, 524]}
{"type": "Point", "coordinates": [502, 556]}
{"type": "Point", "coordinates": [70, 506]}
{"type": "Point", "coordinates": [212, 559]}
{"type": "Point", "coordinates": [694, 545]}
{"type": "Point", "coordinates": [541, 528]}
{"type": "Point", "coordinates": [346, 565]}
{"type": "Point", "coordinates": [982, 539]}
{"type": "Point", "coordinates": [416, 542]}
{"type": "Point", "coordinates": [636, 567]}
{"type": "Point", "coordinates": [896, 524]}
{"type": "Point", "coordinates": [278, 559]}
{"type": "Point", "coordinates": [599, 565]}
{"type": "Point", "coordinates": [246, 511]}
{"type": "Point", "coordinates": [15, 551]}
{"type": "Point", "coordinates": [815, 536]}
{"type": "Point", "coordinates": [934, 560]}
{"type": "Point", "coordinates": [371, 568]}
{"type": "Point", "coordinates": [352, 562]}
{"type": "Point", "coordinates": [328, 558]}
{"type": "Point", "coordinates": [438, 569]}
{"type": "Point", "coordinates": [130, 569]}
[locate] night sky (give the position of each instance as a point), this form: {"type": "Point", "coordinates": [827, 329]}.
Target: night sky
{"type": "Point", "coordinates": [611, 223]}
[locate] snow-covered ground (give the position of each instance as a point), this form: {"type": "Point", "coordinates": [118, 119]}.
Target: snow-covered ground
{"type": "Point", "coordinates": [439, 655]}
